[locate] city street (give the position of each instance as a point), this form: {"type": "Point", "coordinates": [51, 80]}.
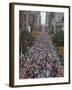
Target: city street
{"type": "Point", "coordinates": [42, 60]}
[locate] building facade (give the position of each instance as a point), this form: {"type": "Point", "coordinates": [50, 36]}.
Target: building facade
{"type": "Point", "coordinates": [28, 22]}
{"type": "Point", "coordinates": [54, 21]}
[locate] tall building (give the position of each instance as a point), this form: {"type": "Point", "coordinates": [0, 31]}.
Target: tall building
{"type": "Point", "coordinates": [28, 21]}
{"type": "Point", "coordinates": [23, 20]}
{"type": "Point", "coordinates": [54, 21]}
{"type": "Point", "coordinates": [58, 22]}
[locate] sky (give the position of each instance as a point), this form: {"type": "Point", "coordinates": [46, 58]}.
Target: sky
{"type": "Point", "coordinates": [43, 17]}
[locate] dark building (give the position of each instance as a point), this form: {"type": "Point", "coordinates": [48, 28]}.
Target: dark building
{"type": "Point", "coordinates": [28, 21]}
{"type": "Point", "coordinates": [55, 21]}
